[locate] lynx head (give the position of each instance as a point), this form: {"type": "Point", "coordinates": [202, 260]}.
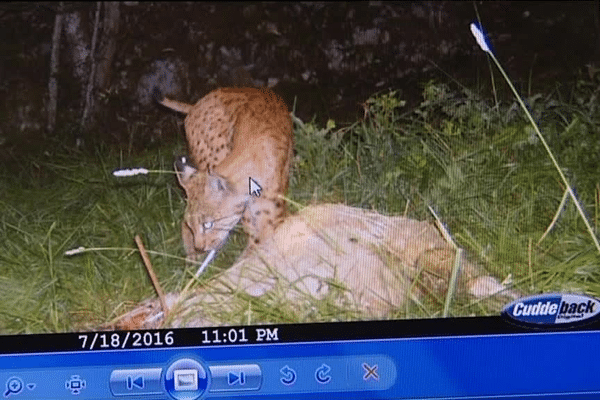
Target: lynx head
{"type": "Point", "coordinates": [213, 207]}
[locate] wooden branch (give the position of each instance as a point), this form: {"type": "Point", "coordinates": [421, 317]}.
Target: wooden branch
{"type": "Point", "coordinates": [153, 278]}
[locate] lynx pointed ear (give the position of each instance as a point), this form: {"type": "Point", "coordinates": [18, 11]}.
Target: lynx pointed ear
{"type": "Point", "coordinates": [218, 183]}
{"type": "Point", "coordinates": [184, 171]}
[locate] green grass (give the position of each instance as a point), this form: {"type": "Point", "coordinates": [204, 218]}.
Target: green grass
{"type": "Point", "coordinates": [478, 164]}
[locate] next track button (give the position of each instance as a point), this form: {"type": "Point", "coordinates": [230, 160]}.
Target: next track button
{"type": "Point", "coordinates": [234, 378]}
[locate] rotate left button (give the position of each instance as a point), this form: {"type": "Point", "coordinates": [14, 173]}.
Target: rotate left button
{"type": "Point", "coordinates": [136, 382]}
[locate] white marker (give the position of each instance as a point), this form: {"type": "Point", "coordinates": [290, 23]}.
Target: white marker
{"type": "Point", "coordinates": [207, 260]}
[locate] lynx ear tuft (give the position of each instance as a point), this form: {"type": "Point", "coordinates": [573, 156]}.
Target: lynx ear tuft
{"type": "Point", "coordinates": [184, 170]}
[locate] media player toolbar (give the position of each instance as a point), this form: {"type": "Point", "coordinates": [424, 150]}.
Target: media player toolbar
{"type": "Point", "coordinates": [188, 378]}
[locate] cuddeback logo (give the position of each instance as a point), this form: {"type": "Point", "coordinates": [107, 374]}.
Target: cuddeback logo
{"type": "Point", "coordinates": [554, 309]}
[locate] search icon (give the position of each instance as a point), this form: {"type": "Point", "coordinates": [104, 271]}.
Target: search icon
{"type": "Point", "coordinates": [14, 385]}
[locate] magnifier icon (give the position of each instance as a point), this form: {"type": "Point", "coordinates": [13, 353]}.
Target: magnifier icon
{"type": "Point", "coordinates": [14, 385]}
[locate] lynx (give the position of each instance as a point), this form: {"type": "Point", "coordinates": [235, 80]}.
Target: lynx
{"type": "Point", "coordinates": [240, 143]}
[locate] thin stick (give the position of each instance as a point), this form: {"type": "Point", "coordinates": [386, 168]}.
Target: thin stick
{"type": "Point", "coordinates": [406, 208]}
{"type": "Point", "coordinates": [560, 208]}
{"type": "Point", "coordinates": [153, 278]}
{"type": "Point", "coordinates": [442, 229]}
{"type": "Point", "coordinates": [453, 280]}
{"type": "Point", "coordinates": [529, 258]}
{"type": "Point", "coordinates": [457, 262]}
{"type": "Point", "coordinates": [480, 38]}
{"type": "Point", "coordinates": [550, 154]}
{"type": "Point", "coordinates": [597, 205]}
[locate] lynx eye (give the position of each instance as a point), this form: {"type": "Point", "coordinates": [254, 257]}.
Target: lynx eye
{"type": "Point", "coordinates": [207, 225]}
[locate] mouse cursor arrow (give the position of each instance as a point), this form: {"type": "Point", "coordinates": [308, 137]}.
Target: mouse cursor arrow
{"type": "Point", "coordinates": [254, 188]}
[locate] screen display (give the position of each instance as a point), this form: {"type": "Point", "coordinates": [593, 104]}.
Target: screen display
{"type": "Point", "coordinates": [365, 201]}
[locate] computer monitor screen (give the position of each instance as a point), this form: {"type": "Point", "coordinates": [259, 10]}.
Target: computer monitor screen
{"type": "Point", "coordinates": [299, 201]}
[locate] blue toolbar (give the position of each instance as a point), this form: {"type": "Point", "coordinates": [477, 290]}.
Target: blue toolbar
{"type": "Point", "coordinates": [559, 365]}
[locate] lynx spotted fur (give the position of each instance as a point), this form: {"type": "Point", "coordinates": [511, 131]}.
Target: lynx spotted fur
{"type": "Point", "coordinates": [240, 143]}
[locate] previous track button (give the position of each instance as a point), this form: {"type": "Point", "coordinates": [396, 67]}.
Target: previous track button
{"type": "Point", "coordinates": [143, 381]}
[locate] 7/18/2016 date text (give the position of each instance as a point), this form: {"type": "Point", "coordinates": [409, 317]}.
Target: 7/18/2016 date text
{"type": "Point", "coordinates": [148, 339]}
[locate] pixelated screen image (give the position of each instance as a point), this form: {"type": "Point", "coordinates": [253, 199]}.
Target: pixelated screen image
{"type": "Point", "coordinates": [367, 200]}
{"type": "Point", "coordinates": [223, 165]}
